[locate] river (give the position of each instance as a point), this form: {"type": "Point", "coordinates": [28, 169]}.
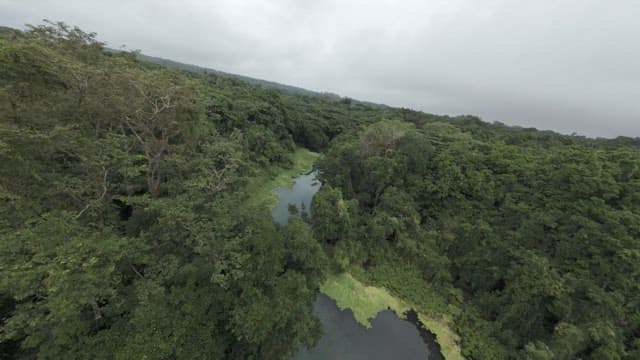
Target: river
{"type": "Point", "coordinates": [344, 338]}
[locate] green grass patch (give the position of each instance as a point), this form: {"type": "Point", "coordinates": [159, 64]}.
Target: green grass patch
{"type": "Point", "coordinates": [448, 340]}
{"type": "Point", "coordinates": [367, 301]}
{"type": "Point", "coordinates": [262, 189]}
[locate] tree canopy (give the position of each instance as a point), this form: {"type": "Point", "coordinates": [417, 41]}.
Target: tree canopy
{"type": "Point", "coordinates": [126, 229]}
{"type": "Point", "coordinates": [540, 237]}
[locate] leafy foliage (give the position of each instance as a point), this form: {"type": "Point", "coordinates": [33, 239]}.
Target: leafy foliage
{"type": "Point", "coordinates": [121, 234]}
{"type": "Point", "coordinates": [130, 226]}
{"type": "Point", "coordinates": [532, 241]}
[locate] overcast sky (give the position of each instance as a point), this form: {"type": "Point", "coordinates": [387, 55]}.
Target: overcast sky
{"type": "Point", "coordinates": [565, 65]}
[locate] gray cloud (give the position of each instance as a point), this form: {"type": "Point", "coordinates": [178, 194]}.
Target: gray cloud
{"type": "Point", "coordinates": [570, 65]}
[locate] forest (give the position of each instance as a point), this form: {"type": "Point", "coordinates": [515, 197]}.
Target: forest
{"type": "Point", "coordinates": [128, 230]}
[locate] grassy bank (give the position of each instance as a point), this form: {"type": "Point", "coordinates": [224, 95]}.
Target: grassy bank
{"type": "Point", "coordinates": [262, 189]}
{"type": "Point", "coordinates": [366, 301]}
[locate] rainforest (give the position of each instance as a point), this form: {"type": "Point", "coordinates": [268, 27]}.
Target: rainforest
{"type": "Point", "coordinates": [138, 218]}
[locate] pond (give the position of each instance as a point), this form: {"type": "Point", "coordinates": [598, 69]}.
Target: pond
{"type": "Point", "coordinates": [344, 338]}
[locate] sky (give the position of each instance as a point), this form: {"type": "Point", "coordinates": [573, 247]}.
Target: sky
{"type": "Point", "coordinates": [571, 66]}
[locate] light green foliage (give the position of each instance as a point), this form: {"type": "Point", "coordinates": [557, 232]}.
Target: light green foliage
{"type": "Point", "coordinates": [261, 190]}
{"type": "Point", "coordinates": [365, 301]}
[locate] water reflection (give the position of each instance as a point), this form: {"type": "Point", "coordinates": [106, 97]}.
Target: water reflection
{"type": "Point", "coordinates": [300, 194]}
{"type": "Point", "coordinates": [344, 338]}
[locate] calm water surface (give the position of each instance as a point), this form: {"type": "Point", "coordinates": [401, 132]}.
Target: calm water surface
{"type": "Point", "coordinates": [344, 338]}
{"type": "Point", "coordinates": [300, 194]}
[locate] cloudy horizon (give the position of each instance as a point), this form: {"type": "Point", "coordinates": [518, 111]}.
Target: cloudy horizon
{"type": "Point", "coordinates": [569, 66]}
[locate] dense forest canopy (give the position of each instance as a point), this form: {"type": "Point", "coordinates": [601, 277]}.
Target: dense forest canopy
{"type": "Point", "coordinates": [122, 234]}
{"type": "Point", "coordinates": [537, 243]}
{"type": "Point", "coordinates": [126, 230]}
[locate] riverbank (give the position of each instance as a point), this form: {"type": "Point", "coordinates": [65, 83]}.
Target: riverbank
{"type": "Point", "coordinates": [263, 189]}
{"type": "Point", "coordinates": [349, 289]}
{"type": "Point", "coordinates": [367, 301]}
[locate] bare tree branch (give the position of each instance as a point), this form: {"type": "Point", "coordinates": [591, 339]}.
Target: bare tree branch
{"type": "Point", "coordinates": [104, 192]}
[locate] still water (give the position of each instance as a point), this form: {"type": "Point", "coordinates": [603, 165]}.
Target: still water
{"type": "Point", "coordinates": [388, 338]}
{"type": "Point", "coordinates": [344, 338]}
{"type": "Point", "coordinates": [300, 194]}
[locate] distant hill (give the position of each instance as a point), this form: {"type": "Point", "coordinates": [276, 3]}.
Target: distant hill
{"type": "Point", "coordinates": [264, 83]}
{"type": "Point", "coordinates": [258, 82]}
{"type": "Point", "coordinates": [4, 29]}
